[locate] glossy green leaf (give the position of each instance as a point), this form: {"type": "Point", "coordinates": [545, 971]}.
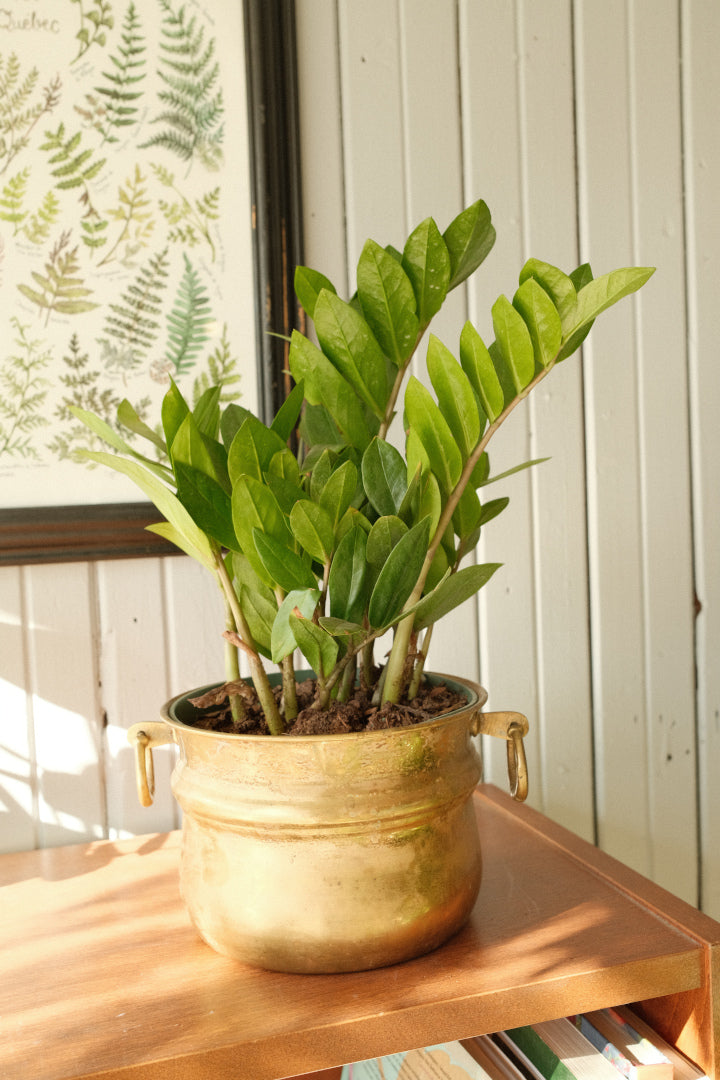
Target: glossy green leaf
{"type": "Point", "coordinates": [384, 536]}
{"type": "Point", "coordinates": [492, 508]}
{"type": "Point", "coordinates": [558, 285]}
{"type": "Point", "coordinates": [399, 576]}
{"type": "Point", "coordinates": [245, 575]}
{"type": "Point", "coordinates": [426, 261]}
{"type": "Point", "coordinates": [388, 303]}
{"type": "Point", "coordinates": [252, 449]}
{"type": "Point", "coordinates": [384, 475]}
{"type": "Point", "coordinates": [582, 276]}
{"type": "Point", "coordinates": [324, 385]}
{"type": "Point", "coordinates": [308, 286]}
{"type": "Point", "coordinates": [350, 519]}
{"type": "Point", "coordinates": [512, 338]}
{"type": "Point", "coordinates": [283, 565]}
{"type": "Point", "coordinates": [206, 413]}
{"type": "Point", "coordinates": [192, 447]}
{"type": "Point", "coordinates": [255, 506]}
{"type": "Point", "coordinates": [417, 459]}
{"type": "Point", "coordinates": [347, 578]}
{"type": "Point", "coordinates": [173, 411]}
{"type": "Point", "coordinates": [312, 527]}
{"type": "Point", "coordinates": [339, 491]}
{"type": "Point", "coordinates": [174, 536]}
{"type": "Point", "coordinates": [347, 633]}
{"type": "Point", "coordinates": [451, 592]}
{"type": "Point", "coordinates": [208, 504]}
{"type": "Point", "coordinates": [455, 396]}
{"type": "Point", "coordinates": [283, 465]}
{"type": "Point", "coordinates": [512, 471]}
{"type": "Point", "coordinates": [282, 641]}
{"type": "Point", "coordinates": [477, 364]}
{"type": "Point", "coordinates": [288, 414]}
{"type": "Point", "coordinates": [466, 519]}
{"type": "Point", "coordinates": [128, 417]}
{"type": "Point", "coordinates": [600, 294]}
{"type": "Point", "coordinates": [542, 320]}
{"type": "Point", "coordinates": [318, 647]}
{"type": "Point", "coordinates": [469, 239]}
{"type": "Point", "coordinates": [231, 421]}
{"type": "Point", "coordinates": [346, 338]}
{"type": "Point", "coordinates": [318, 429]}
{"type": "Point", "coordinates": [322, 471]}
{"type": "Point", "coordinates": [439, 568]}
{"type": "Point", "coordinates": [195, 541]}
{"type": "Point", "coordinates": [286, 492]}
{"type": "Point", "coordinates": [424, 417]}
{"type": "Point", "coordinates": [408, 510]}
{"type": "Point", "coordinates": [431, 501]}
{"type": "Point", "coordinates": [260, 613]}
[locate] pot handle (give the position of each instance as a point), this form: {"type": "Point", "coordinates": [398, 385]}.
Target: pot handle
{"type": "Point", "coordinates": [142, 737]}
{"type": "Point", "coordinates": [511, 726]}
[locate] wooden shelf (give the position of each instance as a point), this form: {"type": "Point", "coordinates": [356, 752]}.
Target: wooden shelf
{"type": "Point", "coordinates": [104, 975]}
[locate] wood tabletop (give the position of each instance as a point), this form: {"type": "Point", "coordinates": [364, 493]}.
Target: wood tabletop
{"type": "Point", "coordinates": [105, 976]}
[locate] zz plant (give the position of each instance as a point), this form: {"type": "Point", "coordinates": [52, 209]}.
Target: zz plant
{"type": "Point", "coordinates": [327, 547]}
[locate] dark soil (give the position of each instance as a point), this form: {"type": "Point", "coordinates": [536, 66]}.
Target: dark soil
{"type": "Point", "coordinates": [357, 714]}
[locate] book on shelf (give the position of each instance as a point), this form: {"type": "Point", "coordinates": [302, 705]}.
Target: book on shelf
{"type": "Point", "coordinates": [444, 1061]}
{"type": "Point", "coordinates": [634, 1056]}
{"type": "Point", "coordinates": [683, 1068]}
{"type": "Point", "coordinates": [556, 1050]}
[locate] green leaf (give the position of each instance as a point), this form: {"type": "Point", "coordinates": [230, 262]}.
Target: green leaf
{"type": "Point", "coordinates": [451, 592]}
{"type": "Point", "coordinates": [384, 535]}
{"type": "Point", "coordinates": [318, 647]}
{"type": "Point", "coordinates": [308, 286]}
{"type": "Point", "coordinates": [128, 417]}
{"type": "Point", "coordinates": [174, 536]}
{"type": "Point", "coordinates": [287, 415]}
{"type": "Point", "coordinates": [426, 261]}
{"type": "Point", "coordinates": [191, 447]}
{"type": "Point", "coordinates": [469, 239]}
{"type": "Point", "coordinates": [348, 341]}
{"type": "Point", "coordinates": [347, 578]}
{"type": "Point", "coordinates": [431, 502]}
{"type": "Point", "coordinates": [312, 527]}
{"type": "Point", "coordinates": [111, 437]}
{"type": "Point", "coordinates": [599, 295]}
{"type": "Point", "coordinates": [195, 542]}
{"type": "Point", "coordinates": [514, 343]}
{"type": "Point", "coordinates": [388, 303]}
{"type": "Point", "coordinates": [466, 519]}
{"type": "Point", "coordinates": [399, 575]}
{"type": "Point", "coordinates": [348, 633]}
{"type": "Point", "coordinates": [424, 417]}
{"type": "Point", "coordinates": [283, 465]}
{"type": "Point", "coordinates": [511, 472]}
{"type": "Point", "coordinates": [208, 504]}
{"type": "Point", "coordinates": [557, 285]}
{"type": "Point", "coordinates": [455, 396]}
{"type": "Point", "coordinates": [384, 474]}
{"type": "Point", "coordinates": [339, 491]}
{"type": "Point", "coordinates": [231, 421]}
{"type": "Point", "coordinates": [252, 449]}
{"type": "Point", "coordinates": [492, 508]}
{"type": "Point", "coordinates": [478, 366]}
{"type": "Point", "coordinates": [207, 412]}
{"type": "Point", "coordinates": [260, 613]}
{"type": "Point", "coordinates": [318, 429]}
{"type": "Point", "coordinates": [542, 320]}
{"type": "Point", "coordinates": [173, 411]}
{"type": "Point", "coordinates": [286, 492]}
{"type": "Point", "coordinates": [284, 566]}
{"type": "Point", "coordinates": [283, 640]}
{"type": "Point", "coordinates": [324, 385]}
{"type": "Point", "coordinates": [582, 276]}
{"type": "Point", "coordinates": [255, 506]}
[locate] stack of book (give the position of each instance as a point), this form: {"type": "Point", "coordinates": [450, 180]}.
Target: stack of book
{"type": "Point", "coordinates": [610, 1044]}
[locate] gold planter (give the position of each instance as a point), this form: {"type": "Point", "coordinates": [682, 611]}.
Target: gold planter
{"type": "Point", "coordinates": [327, 853]}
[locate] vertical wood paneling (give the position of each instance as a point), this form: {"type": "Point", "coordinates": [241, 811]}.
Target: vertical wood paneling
{"type": "Point", "coordinates": [701, 92]}
{"type": "Point", "coordinates": [67, 733]}
{"type": "Point", "coordinates": [17, 766]}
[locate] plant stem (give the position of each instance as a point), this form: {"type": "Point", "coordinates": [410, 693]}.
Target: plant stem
{"type": "Point", "coordinates": [257, 671]}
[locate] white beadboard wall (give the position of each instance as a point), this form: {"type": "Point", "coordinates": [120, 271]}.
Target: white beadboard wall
{"type": "Point", "coordinates": [591, 129]}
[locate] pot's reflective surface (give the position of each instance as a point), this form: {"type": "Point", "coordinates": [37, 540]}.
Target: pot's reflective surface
{"type": "Point", "coordinates": [329, 853]}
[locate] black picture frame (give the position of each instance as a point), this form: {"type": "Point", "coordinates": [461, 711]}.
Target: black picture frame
{"type": "Point", "coordinates": [118, 530]}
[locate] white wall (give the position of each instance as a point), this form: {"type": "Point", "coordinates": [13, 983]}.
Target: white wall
{"type": "Point", "coordinates": [590, 130]}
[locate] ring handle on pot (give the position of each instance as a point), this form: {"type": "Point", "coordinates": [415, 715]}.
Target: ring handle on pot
{"type": "Point", "coordinates": [142, 737]}
{"type": "Point", "coordinates": [510, 726]}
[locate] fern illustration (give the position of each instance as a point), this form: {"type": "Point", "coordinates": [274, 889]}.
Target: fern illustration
{"type": "Point", "coordinates": [74, 169]}
{"type": "Point", "coordinates": [81, 383]}
{"type": "Point", "coordinates": [221, 371]}
{"type": "Point", "coordinates": [188, 322]}
{"type": "Point", "coordinates": [20, 107]}
{"type": "Point", "coordinates": [40, 222]}
{"type": "Point", "coordinates": [193, 109]}
{"type": "Point", "coordinates": [59, 289]}
{"type": "Point", "coordinates": [189, 222]}
{"type": "Point", "coordinates": [112, 106]}
{"type": "Point", "coordinates": [94, 21]}
{"type": "Point", "coordinates": [11, 199]}
{"type": "Point", "coordinates": [23, 392]}
{"type": "Point", "coordinates": [132, 326]}
{"type": "Point", "coordinates": [137, 221]}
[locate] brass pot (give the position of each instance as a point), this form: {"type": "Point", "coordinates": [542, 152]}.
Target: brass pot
{"type": "Point", "coordinates": [327, 853]}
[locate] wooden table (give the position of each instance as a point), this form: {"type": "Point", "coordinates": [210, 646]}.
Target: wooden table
{"type": "Point", "coordinates": [103, 975]}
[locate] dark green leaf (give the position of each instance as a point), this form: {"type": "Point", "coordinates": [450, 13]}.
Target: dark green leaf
{"type": "Point", "coordinates": [282, 641]}
{"type": "Point", "coordinates": [308, 286]}
{"type": "Point", "coordinates": [318, 429]}
{"type": "Point", "coordinates": [384, 474]}
{"type": "Point", "coordinates": [492, 508]}
{"type": "Point", "coordinates": [284, 567]}
{"type": "Point", "coordinates": [348, 341]}
{"type": "Point", "coordinates": [231, 421]}
{"type": "Point", "coordinates": [469, 239]}
{"type": "Point", "coordinates": [455, 396]}
{"type": "Point", "coordinates": [173, 411]}
{"type": "Point", "coordinates": [399, 575]}
{"type": "Point", "coordinates": [287, 415]}
{"type": "Point", "coordinates": [339, 491]}
{"type": "Point", "coordinates": [313, 529]}
{"type": "Point", "coordinates": [451, 592]}
{"type": "Point", "coordinates": [252, 449]}
{"type": "Point", "coordinates": [260, 613]}
{"type": "Point", "coordinates": [426, 261]}
{"type": "Point", "coordinates": [191, 447]}
{"type": "Point", "coordinates": [208, 504]}
{"type": "Point", "coordinates": [348, 633]}
{"type": "Point", "coordinates": [388, 303]}
{"type": "Point", "coordinates": [347, 579]}
{"type": "Point", "coordinates": [324, 385]}
{"type": "Point", "coordinates": [318, 647]}
{"type": "Point", "coordinates": [466, 519]}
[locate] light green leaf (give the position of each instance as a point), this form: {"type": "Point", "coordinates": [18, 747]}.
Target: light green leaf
{"type": "Point", "coordinates": [557, 285]}
{"type": "Point", "coordinates": [252, 449]}
{"type": "Point", "coordinates": [324, 385]}
{"type": "Point", "coordinates": [260, 613]}
{"type": "Point", "coordinates": [282, 641]}
{"type": "Point", "coordinates": [455, 397]}
{"type": "Point", "coordinates": [388, 303]}
{"type": "Point", "coordinates": [511, 472]}
{"type": "Point", "coordinates": [451, 592]}
{"type": "Point", "coordinates": [599, 295]}
{"type": "Point", "coordinates": [348, 633]}
{"type": "Point", "coordinates": [173, 411]}
{"type": "Point", "coordinates": [424, 417]}
{"type": "Point", "coordinates": [478, 366]}
{"type": "Point", "coordinates": [384, 474]}
{"type": "Point", "coordinates": [469, 239]}
{"type": "Point", "coordinates": [128, 417]}
{"type": "Point", "coordinates": [346, 338]}
{"type": "Point", "coordinates": [492, 508]}
{"type": "Point", "coordinates": [399, 576]}
{"type": "Point", "coordinates": [312, 527]}
{"type": "Point", "coordinates": [513, 342]}
{"type": "Point", "coordinates": [318, 647]}
{"type": "Point", "coordinates": [308, 286]}
{"type": "Point", "coordinates": [174, 536]}
{"type": "Point", "coordinates": [339, 491]}
{"type": "Point", "coordinates": [255, 506]}
{"type": "Point", "coordinates": [542, 320]}
{"type": "Point", "coordinates": [111, 437]}
{"type": "Point", "coordinates": [191, 447]}
{"type": "Point", "coordinates": [426, 261]}
{"type": "Point", "coordinates": [347, 578]}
